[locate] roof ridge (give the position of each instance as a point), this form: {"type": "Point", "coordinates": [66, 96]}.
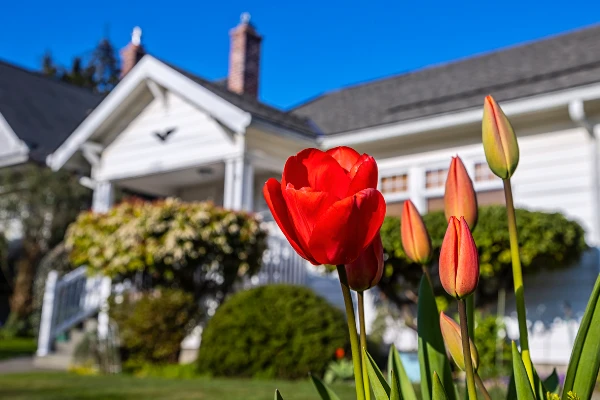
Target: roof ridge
{"type": "Point", "coordinates": [429, 67]}
{"type": "Point", "coordinates": [46, 78]}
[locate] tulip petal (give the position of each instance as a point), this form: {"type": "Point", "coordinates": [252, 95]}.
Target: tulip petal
{"type": "Point", "coordinates": [315, 169]}
{"type": "Point", "coordinates": [459, 197]}
{"type": "Point", "coordinates": [366, 271]}
{"type": "Point", "coordinates": [347, 228]}
{"type": "Point", "coordinates": [278, 207]}
{"type": "Point", "coordinates": [449, 259]}
{"type": "Point", "coordinates": [305, 207]}
{"type": "Point", "coordinates": [499, 140]}
{"type": "Point", "coordinates": [363, 175]}
{"type": "Point", "coordinates": [414, 235]}
{"type": "Point", "coordinates": [467, 276]}
{"type": "Point", "coordinates": [345, 156]}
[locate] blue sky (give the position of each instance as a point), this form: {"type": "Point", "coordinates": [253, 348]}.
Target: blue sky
{"type": "Point", "coordinates": [309, 46]}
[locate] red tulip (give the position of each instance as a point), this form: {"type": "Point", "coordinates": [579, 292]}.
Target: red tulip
{"type": "Point", "coordinates": [415, 239]}
{"type": "Point", "coordinates": [327, 204]}
{"type": "Point", "coordinates": [459, 198]}
{"type": "Point", "coordinates": [366, 271]}
{"type": "Point", "coordinates": [453, 341]}
{"type": "Point", "coordinates": [459, 263]}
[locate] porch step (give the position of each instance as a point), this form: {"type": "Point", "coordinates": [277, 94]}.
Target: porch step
{"type": "Point", "coordinates": [53, 361]}
{"type": "Point", "coordinates": [61, 358]}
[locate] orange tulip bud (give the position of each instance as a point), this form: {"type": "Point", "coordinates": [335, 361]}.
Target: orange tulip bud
{"type": "Point", "coordinates": [459, 197]}
{"type": "Point", "coordinates": [453, 340]}
{"type": "Point", "coordinates": [499, 140]}
{"type": "Point", "coordinates": [366, 271]}
{"type": "Point", "coordinates": [459, 263]}
{"type": "Point", "coordinates": [415, 239]}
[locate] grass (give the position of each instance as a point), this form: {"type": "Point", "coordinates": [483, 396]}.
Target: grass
{"type": "Point", "coordinates": [65, 386]}
{"type": "Point", "coordinates": [15, 347]}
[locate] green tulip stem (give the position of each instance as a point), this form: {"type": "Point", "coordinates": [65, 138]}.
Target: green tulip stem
{"type": "Point", "coordinates": [518, 279]}
{"type": "Point", "coordinates": [363, 342]}
{"type": "Point", "coordinates": [471, 315]}
{"type": "Point", "coordinates": [482, 388]}
{"type": "Point", "coordinates": [427, 274]}
{"type": "Point", "coordinates": [356, 354]}
{"type": "Point", "coordinates": [464, 329]}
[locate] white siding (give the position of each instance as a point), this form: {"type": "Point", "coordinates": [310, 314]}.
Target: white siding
{"type": "Point", "coordinates": [137, 151]}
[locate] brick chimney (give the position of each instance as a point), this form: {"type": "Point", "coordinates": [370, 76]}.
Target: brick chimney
{"type": "Point", "coordinates": [244, 58]}
{"type": "Point", "coordinates": [133, 52]}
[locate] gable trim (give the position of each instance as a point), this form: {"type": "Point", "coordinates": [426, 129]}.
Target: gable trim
{"type": "Point", "coordinates": [515, 107]}
{"type": "Point", "coordinates": [151, 69]}
{"type": "Point", "coordinates": [19, 152]}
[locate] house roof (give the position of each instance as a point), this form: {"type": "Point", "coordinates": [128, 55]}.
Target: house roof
{"type": "Point", "coordinates": [255, 107]}
{"type": "Point", "coordinates": [555, 63]}
{"type": "Point", "coordinates": [41, 111]}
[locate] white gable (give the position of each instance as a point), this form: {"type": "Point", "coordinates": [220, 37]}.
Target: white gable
{"type": "Point", "coordinates": [196, 139]}
{"type": "Point", "coordinates": [12, 150]}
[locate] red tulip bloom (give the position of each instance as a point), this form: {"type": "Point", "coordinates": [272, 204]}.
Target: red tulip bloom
{"type": "Point", "coordinates": [459, 197]}
{"type": "Point", "coordinates": [459, 262]}
{"type": "Point", "coordinates": [327, 204]}
{"type": "Point", "coordinates": [415, 238]}
{"type": "Point", "coordinates": [366, 271]}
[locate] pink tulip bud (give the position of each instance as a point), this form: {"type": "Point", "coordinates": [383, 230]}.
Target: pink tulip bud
{"type": "Point", "coordinates": [415, 239]}
{"type": "Point", "coordinates": [453, 340]}
{"type": "Point", "coordinates": [459, 198]}
{"type": "Point", "coordinates": [459, 262]}
{"type": "Point", "coordinates": [366, 271]}
{"type": "Point", "coordinates": [499, 140]}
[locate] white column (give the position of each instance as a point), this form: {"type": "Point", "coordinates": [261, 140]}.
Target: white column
{"type": "Point", "coordinates": [234, 183]}
{"type": "Point", "coordinates": [248, 186]}
{"type": "Point", "coordinates": [103, 197]}
{"type": "Point", "coordinates": [45, 334]}
{"type": "Point", "coordinates": [416, 186]}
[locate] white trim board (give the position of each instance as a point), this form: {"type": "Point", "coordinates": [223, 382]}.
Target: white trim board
{"type": "Point", "coordinates": [511, 108]}
{"type": "Point", "coordinates": [149, 68]}
{"type": "Point", "coordinates": [16, 151]}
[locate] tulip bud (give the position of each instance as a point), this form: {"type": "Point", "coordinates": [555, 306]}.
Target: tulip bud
{"type": "Point", "coordinates": [499, 140]}
{"type": "Point", "coordinates": [459, 263]}
{"type": "Point", "coordinates": [366, 271]}
{"type": "Point", "coordinates": [415, 239]}
{"type": "Point", "coordinates": [453, 340]}
{"type": "Point", "coordinates": [459, 197]}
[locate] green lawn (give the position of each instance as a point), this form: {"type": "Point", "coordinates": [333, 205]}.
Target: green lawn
{"type": "Point", "coordinates": [14, 347]}
{"type": "Point", "coordinates": [65, 386]}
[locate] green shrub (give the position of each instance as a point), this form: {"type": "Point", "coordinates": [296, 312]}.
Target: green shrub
{"type": "Point", "coordinates": [546, 241]}
{"type": "Point", "coordinates": [274, 331]}
{"type": "Point", "coordinates": [152, 325]}
{"type": "Point", "coordinates": [495, 357]}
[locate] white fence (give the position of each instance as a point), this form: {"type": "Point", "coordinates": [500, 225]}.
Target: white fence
{"type": "Point", "coordinates": [68, 301]}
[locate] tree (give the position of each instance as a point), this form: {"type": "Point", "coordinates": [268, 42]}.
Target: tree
{"type": "Point", "coordinates": [42, 203]}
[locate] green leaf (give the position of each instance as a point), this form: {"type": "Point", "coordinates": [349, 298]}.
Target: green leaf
{"type": "Point", "coordinates": [278, 395]}
{"type": "Point", "coordinates": [324, 391]}
{"type": "Point", "coordinates": [522, 385]}
{"type": "Point", "coordinates": [432, 353]}
{"type": "Point", "coordinates": [551, 383]}
{"type": "Point", "coordinates": [439, 393]}
{"type": "Point", "coordinates": [395, 366]}
{"type": "Point", "coordinates": [511, 392]}
{"type": "Point", "coordinates": [395, 395]}
{"type": "Point", "coordinates": [380, 387]}
{"type": "Point", "coordinates": [585, 358]}
{"type": "Point", "coordinates": [541, 390]}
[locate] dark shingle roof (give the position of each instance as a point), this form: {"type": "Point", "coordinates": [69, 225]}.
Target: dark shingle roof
{"type": "Point", "coordinates": [555, 63]}
{"type": "Point", "coordinates": [258, 109]}
{"type": "Point", "coordinates": [41, 111]}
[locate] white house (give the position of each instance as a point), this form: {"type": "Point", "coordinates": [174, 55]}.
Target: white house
{"type": "Point", "coordinates": [166, 132]}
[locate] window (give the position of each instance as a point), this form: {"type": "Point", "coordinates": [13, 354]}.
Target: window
{"type": "Point", "coordinates": [435, 178]}
{"type": "Point", "coordinates": [483, 173]}
{"type": "Point", "coordinates": [394, 184]}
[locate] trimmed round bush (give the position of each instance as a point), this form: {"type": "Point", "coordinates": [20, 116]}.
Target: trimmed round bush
{"type": "Point", "coordinates": [153, 324]}
{"type": "Point", "coordinates": [273, 331]}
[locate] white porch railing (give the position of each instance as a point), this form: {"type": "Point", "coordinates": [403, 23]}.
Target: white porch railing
{"type": "Point", "coordinates": [69, 300]}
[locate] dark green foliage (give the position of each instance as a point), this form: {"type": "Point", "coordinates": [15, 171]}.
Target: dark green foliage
{"type": "Point", "coordinates": [274, 331]}
{"type": "Point", "coordinates": [151, 327]}
{"type": "Point", "coordinates": [494, 353]}
{"type": "Point", "coordinates": [546, 240]}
